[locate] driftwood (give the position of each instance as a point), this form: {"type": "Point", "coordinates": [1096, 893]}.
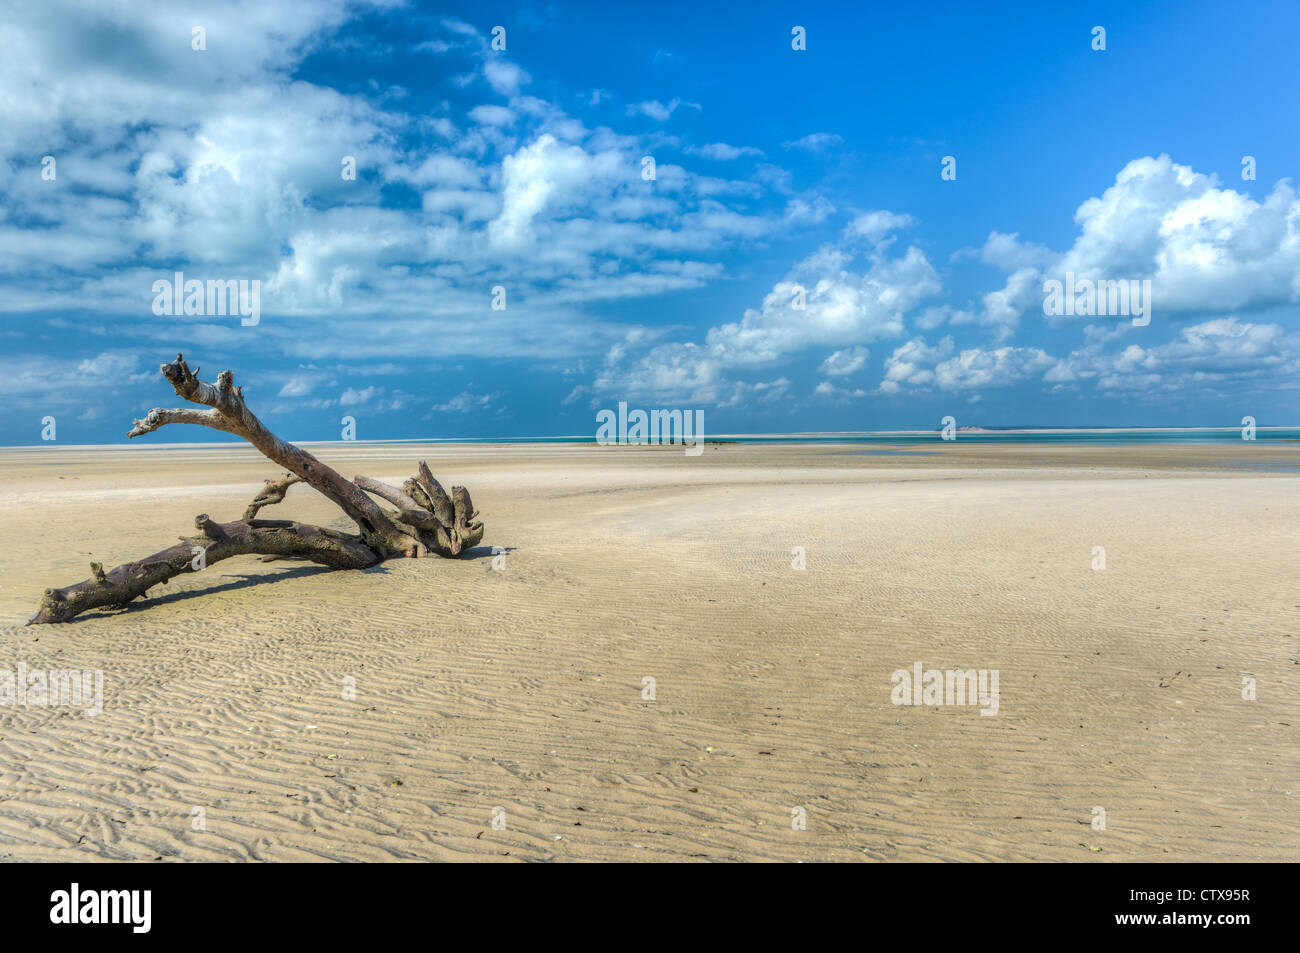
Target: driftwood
{"type": "Point", "coordinates": [427, 519]}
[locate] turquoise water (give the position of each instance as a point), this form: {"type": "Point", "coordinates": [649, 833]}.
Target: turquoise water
{"type": "Point", "coordinates": [1275, 436]}
{"type": "Point", "coordinates": [1230, 435]}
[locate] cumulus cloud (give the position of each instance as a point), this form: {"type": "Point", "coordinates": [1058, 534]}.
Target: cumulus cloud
{"type": "Point", "coordinates": [917, 365]}
{"type": "Point", "coordinates": [822, 302]}
{"type": "Point", "coordinates": [845, 362]}
{"type": "Point", "coordinates": [1218, 352]}
{"type": "Point", "coordinates": [1205, 248]}
{"type": "Point", "coordinates": [913, 364]}
{"type": "Point", "coordinates": [169, 159]}
{"type": "Point", "coordinates": [226, 164]}
{"type": "Point", "coordinates": [505, 77]}
{"type": "Point", "coordinates": [874, 226]}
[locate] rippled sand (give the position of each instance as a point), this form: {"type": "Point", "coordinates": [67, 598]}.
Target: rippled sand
{"type": "Point", "coordinates": [522, 689]}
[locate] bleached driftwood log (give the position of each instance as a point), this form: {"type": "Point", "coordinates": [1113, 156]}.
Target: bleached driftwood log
{"type": "Point", "coordinates": [427, 519]}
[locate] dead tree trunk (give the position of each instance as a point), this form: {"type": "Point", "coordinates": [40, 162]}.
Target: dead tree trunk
{"type": "Point", "coordinates": [427, 519]}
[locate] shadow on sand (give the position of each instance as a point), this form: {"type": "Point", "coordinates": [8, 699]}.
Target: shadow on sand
{"type": "Point", "coordinates": [168, 595]}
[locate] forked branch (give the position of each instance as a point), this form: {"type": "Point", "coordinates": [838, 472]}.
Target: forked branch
{"type": "Point", "coordinates": [426, 519]}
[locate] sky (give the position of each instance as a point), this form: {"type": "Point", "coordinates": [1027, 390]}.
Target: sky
{"type": "Point", "coordinates": [558, 207]}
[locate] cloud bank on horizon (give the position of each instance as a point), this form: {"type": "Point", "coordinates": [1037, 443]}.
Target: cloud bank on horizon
{"type": "Point", "coordinates": [462, 226]}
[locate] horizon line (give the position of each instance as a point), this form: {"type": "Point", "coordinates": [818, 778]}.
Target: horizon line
{"type": "Point", "coordinates": [590, 438]}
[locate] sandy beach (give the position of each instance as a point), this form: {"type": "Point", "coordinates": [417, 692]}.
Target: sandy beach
{"type": "Point", "coordinates": [519, 691]}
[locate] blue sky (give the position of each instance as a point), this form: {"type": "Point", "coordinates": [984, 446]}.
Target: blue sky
{"type": "Point", "coordinates": [780, 175]}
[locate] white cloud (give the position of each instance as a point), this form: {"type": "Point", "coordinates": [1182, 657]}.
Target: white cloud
{"type": "Point", "coordinates": [353, 397]}
{"type": "Point", "coordinates": [504, 76]}
{"type": "Point", "coordinates": [827, 389]}
{"type": "Point", "coordinates": [917, 365]}
{"type": "Point", "coordinates": [839, 307]}
{"type": "Point", "coordinates": [491, 115]}
{"type": "Point", "coordinates": [175, 159]}
{"type": "Point", "coordinates": [33, 376]}
{"type": "Point", "coordinates": [659, 112]}
{"type": "Point", "coordinates": [821, 303]}
{"type": "Point", "coordinates": [815, 142]}
{"type": "Point", "coordinates": [1008, 253]}
{"type": "Point", "coordinates": [1204, 248]}
{"type": "Point", "coordinates": [723, 152]}
{"type": "Point", "coordinates": [809, 210]}
{"type": "Point", "coordinates": [998, 367]}
{"type": "Point", "coordinates": [845, 362]}
{"type": "Point", "coordinates": [303, 381]}
{"type": "Point", "coordinates": [913, 363]}
{"type": "Point", "coordinates": [874, 226]}
{"type": "Point", "coordinates": [1217, 352]}
{"type": "Point", "coordinates": [1223, 353]}
{"type": "Point", "coordinates": [544, 172]}
{"type": "Point", "coordinates": [464, 403]}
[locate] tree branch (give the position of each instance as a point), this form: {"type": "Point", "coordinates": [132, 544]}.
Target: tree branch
{"type": "Point", "coordinates": [129, 581]}
{"type": "Point", "coordinates": [230, 414]}
{"type": "Point", "coordinates": [273, 492]}
{"type": "Point", "coordinates": [427, 518]}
